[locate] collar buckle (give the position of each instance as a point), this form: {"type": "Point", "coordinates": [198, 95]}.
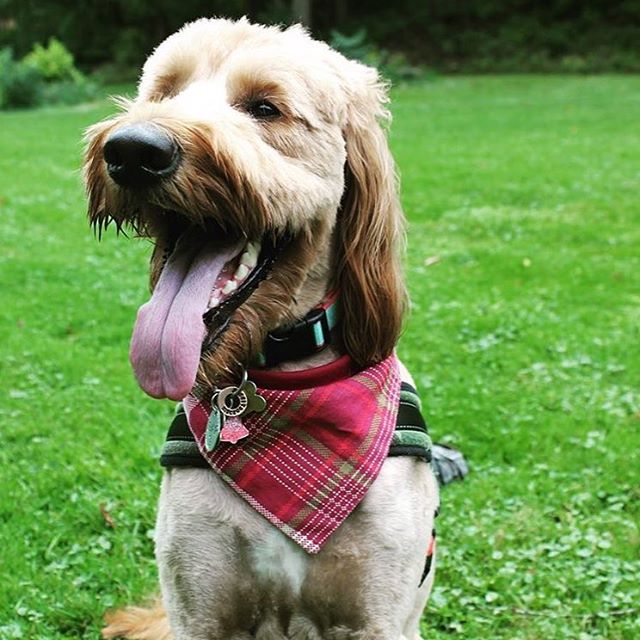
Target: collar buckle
{"type": "Point", "coordinates": [302, 338]}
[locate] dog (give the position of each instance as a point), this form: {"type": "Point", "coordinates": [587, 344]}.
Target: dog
{"type": "Point", "coordinates": [256, 160]}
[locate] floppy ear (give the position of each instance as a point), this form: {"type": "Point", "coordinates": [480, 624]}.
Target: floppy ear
{"type": "Point", "coordinates": [370, 232]}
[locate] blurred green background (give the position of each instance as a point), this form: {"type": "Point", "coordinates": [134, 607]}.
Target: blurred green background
{"type": "Point", "coordinates": [466, 35]}
{"type": "Point", "coordinates": [61, 52]}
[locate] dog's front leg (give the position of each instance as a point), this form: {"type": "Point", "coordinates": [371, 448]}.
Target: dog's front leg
{"type": "Point", "coordinates": [366, 583]}
{"type": "Point", "coordinates": [203, 557]}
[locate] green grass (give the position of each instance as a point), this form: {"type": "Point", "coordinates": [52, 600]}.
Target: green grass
{"type": "Point", "coordinates": [523, 200]}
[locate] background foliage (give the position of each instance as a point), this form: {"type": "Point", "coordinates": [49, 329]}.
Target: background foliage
{"type": "Point", "coordinates": [466, 35]}
{"type": "Point", "coordinates": [46, 75]}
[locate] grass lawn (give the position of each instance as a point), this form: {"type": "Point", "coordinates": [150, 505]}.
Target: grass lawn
{"type": "Point", "coordinates": [523, 264]}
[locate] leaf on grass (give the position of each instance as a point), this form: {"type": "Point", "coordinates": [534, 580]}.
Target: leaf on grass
{"type": "Point", "coordinates": [107, 517]}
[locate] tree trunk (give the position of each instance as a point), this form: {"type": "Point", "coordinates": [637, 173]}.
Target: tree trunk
{"type": "Point", "coordinates": [251, 9]}
{"type": "Point", "coordinates": [301, 10]}
{"type": "Point", "coordinates": [341, 12]}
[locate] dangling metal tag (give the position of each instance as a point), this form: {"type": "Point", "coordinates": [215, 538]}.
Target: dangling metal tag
{"type": "Point", "coordinates": [214, 424]}
{"type": "Point", "coordinates": [231, 404]}
{"type": "Point", "coordinates": [233, 431]}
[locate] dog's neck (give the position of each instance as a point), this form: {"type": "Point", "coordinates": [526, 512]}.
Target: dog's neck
{"type": "Point", "coordinates": [327, 355]}
{"type": "Point", "coordinates": [316, 284]}
{"type": "Point", "coordinates": [312, 294]}
{"type": "Point", "coordinates": [312, 341]}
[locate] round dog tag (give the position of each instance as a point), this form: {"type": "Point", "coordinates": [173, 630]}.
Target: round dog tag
{"type": "Point", "coordinates": [232, 402]}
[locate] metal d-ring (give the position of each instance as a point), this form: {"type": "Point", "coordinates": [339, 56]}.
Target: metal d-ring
{"type": "Point", "coordinates": [238, 389]}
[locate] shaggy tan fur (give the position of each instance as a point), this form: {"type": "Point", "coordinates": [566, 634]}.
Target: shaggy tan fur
{"type": "Point", "coordinates": [138, 623]}
{"type": "Point", "coordinates": [261, 177]}
{"type": "Point", "coordinates": [322, 173]}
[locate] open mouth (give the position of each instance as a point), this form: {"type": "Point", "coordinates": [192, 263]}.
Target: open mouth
{"type": "Point", "coordinates": [204, 280]}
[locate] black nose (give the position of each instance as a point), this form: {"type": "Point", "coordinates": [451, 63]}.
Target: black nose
{"type": "Point", "coordinates": [140, 155]}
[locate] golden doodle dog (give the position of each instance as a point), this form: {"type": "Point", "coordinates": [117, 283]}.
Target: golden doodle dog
{"type": "Point", "coordinates": [297, 501]}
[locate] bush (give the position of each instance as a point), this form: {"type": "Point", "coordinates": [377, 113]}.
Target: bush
{"type": "Point", "coordinates": [113, 73]}
{"type": "Point", "coordinates": [129, 43]}
{"type": "Point", "coordinates": [46, 75]}
{"type": "Point", "coordinates": [70, 92]}
{"type": "Point", "coordinates": [393, 66]}
{"type": "Point", "coordinates": [21, 85]}
{"type": "Point", "coordinates": [54, 62]}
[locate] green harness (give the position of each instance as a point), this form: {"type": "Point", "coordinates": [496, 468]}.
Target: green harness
{"type": "Point", "coordinates": [410, 438]}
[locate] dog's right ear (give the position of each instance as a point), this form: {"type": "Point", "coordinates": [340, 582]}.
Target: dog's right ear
{"type": "Point", "coordinates": [370, 230]}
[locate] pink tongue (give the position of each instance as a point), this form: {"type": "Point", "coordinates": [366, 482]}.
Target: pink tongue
{"type": "Point", "coordinates": [169, 330]}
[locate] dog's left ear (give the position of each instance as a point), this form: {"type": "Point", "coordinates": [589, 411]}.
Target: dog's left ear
{"type": "Point", "coordinates": [370, 229]}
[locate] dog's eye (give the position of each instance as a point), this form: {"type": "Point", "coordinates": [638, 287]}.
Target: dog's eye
{"type": "Point", "coordinates": [262, 109]}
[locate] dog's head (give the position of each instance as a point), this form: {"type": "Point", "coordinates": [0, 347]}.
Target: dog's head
{"type": "Point", "coordinates": [250, 156]}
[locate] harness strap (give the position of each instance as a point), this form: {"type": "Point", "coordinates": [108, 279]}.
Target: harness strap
{"type": "Point", "coordinates": [429, 557]}
{"type": "Point", "coordinates": [411, 435]}
{"type": "Point", "coordinates": [410, 438]}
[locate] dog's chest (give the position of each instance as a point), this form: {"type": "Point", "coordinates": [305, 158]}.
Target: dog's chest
{"type": "Point", "coordinates": [228, 573]}
{"type": "Point", "coordinates": [235, 572]}
{"type": "Point", "coordinates": [278, 562]}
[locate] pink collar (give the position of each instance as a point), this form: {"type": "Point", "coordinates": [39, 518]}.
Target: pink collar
{"type": "Point", "coordinates": [343, 367]}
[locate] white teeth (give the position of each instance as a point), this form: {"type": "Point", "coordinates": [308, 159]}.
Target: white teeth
{"type": "Point", "coordinates": [242, 272]}
{"type": "Point", "coordinates": [230, 286]}
{"type": "Point", "coordinates": [250, 256]}
{"type": "Point", "coordinates": [248, 261]}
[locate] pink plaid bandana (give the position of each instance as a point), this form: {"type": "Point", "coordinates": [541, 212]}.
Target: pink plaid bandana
{"type": "Point", "coordinates": [311, 456]}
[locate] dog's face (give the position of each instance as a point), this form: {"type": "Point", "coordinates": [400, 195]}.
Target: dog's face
{"type": "Point", "coordinates": [243, 148]}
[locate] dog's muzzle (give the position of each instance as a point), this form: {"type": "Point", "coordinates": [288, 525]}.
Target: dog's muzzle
{"type": "Point", "coordinates": [140, 155]}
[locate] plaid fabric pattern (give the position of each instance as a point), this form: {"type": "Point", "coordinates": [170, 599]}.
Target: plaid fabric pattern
{"type": "Point", "coordinates": [312, 454]}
